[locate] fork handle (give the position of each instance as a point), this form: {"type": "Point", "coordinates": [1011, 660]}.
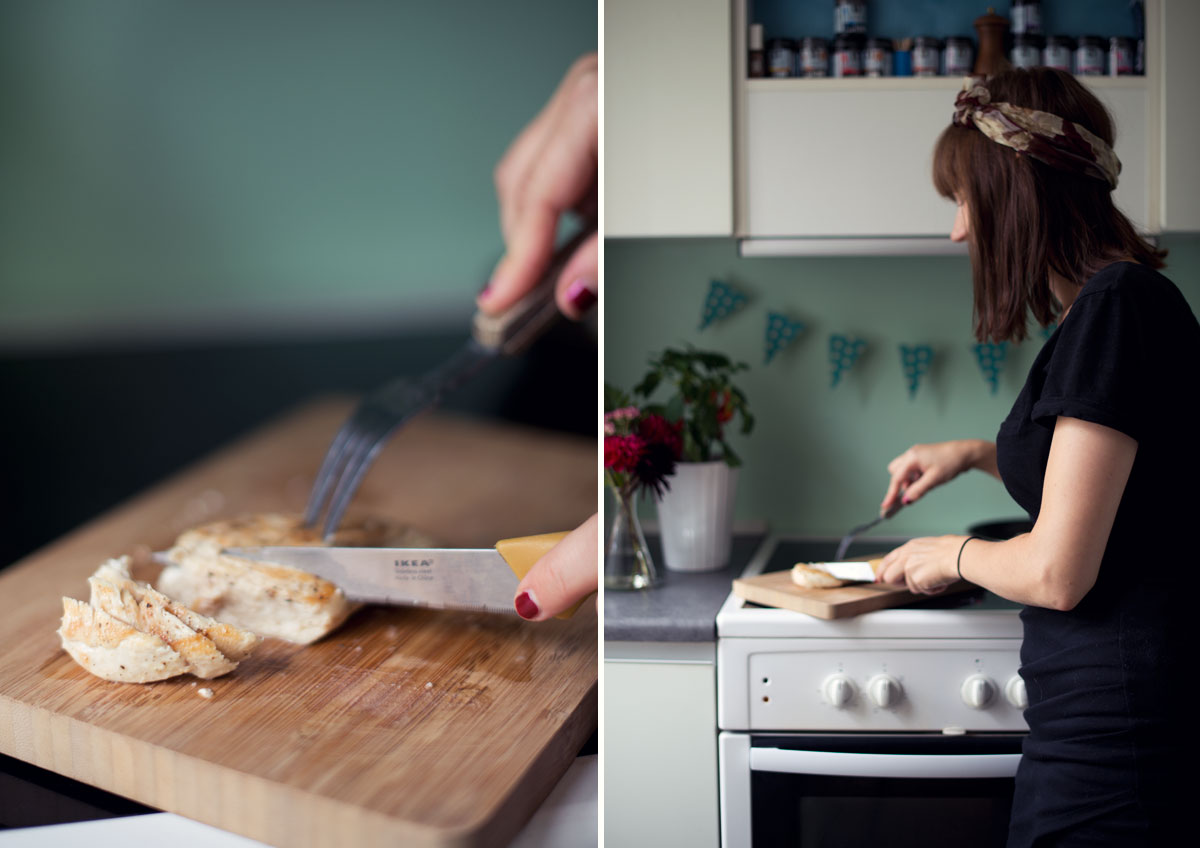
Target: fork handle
{"type": "Point", "coordinates": [523, 323]}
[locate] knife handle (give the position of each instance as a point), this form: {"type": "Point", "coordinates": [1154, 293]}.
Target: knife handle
{"type": "Point", "coordinates": [521, 553]}
{"type": "Point", "coordinates": [523, 323]}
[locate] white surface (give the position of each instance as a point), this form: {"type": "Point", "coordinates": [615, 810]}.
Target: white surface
{"type": "Point", "coordinates": [836, 160]}
{"type": "Point", "coordinates": [1181, 115]}
{"type": "Point", "coordinates": [668, 118]}
{"type": "Point", "coordinates": [774, 666]}
{"type": "Point", "coordinates": [696, 516]}
{"type": "Point", "coordinates": [792, 684]}
{"type": "Point", "coordinates": [567, 819]}
{"type": "Point", "coordinates": [660, 755]}
{"type": "Point", "coordinates": [735, 789]}
{"type": "Point", "coordinates": [737, 618]}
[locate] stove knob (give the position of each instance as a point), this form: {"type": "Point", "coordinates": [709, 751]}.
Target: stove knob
{"type": "Point", "coordinates": [978, 691]}
{"type": "Point", "coordinates": [884, 690]}
{"type": "Point", "coordinates": [838, 690]}
{"type": "Point", "coordinates": [1014, 691]}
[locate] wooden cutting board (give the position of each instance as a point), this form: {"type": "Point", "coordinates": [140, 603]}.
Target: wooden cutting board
{"type": "Point", "coordinates": [405, 727]}
{"type": "Point", "coordinates": [776, 589]}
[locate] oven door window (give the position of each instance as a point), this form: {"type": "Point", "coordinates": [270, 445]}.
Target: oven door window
{"type": "Point", "coordinates": [833, 811]}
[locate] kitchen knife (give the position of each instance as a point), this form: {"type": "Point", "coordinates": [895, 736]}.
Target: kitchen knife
{"type": "Point", "coordinates": [441, 578]}
{"type": "Point", "coordinates": [856, 572]}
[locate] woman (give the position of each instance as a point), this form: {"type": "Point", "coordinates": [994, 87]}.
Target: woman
{"type": "Point", "coordinates": [547, 172]}
{"type": "Point", "coordinates": [1099, 448]}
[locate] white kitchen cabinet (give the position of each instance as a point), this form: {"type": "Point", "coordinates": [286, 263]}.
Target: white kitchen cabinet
{"type": "Point", "coordinates": [660, 745]}
{"type": "Point", "coordinates": [1180, 29]}
{"type": "Point", "coordinates": [668, 118]}
{"type": "Point", "coordinates": [853, 157]}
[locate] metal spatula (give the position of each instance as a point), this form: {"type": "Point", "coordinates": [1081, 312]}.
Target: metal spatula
{"type": "Point", "coordinates": [863, 528]}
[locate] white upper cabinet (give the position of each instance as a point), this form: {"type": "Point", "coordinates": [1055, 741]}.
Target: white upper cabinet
{"type": "Point", "coordinates": [668, 118]}
{"type": "Point", "coordinates": [694, 148]}
{"type": "Point", "coordinates": [853, 157]}
{"type": "Point", "coordinates": [848, 159]}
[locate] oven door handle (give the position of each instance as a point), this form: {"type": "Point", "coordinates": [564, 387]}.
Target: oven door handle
{"type": "Point", "coordinates": [883, 765]}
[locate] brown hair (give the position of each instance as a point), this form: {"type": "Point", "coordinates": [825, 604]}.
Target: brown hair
{"type": "Point", "coordinates": [1028, 218]}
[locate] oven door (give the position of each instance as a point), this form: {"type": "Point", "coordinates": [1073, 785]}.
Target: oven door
{"type": "Point", "coordinates": [853, 789]}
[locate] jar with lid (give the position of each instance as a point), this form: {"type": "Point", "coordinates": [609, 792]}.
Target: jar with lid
{"type": "Point", "coordinates": [958, 56]}
{"type": "Point", "coordinates": [848, 55]}
{"type": "Point", "coordinates": [849, 16]}
{"type": "Point", "coordinates": [814, 57]}
{"type": "Point", "coordinates": [1026, 50]}
{"type": "Point", "coordinates": [1122, 53]}
{"type": "Point", "coordinates": [756, 60]}
{"type": "Point", "coordinates": [1089, 56]}
{"type": "Point", "coordinates": [1057, 52]}
{"type": "Point", "coordinates": [877, 57]}
{"type": "Point", "coordinates": [781, 57]}
{"type": "Point", "coordinates": [926, 55]}
{"type": "Point", "coordinates": [1026, 17]}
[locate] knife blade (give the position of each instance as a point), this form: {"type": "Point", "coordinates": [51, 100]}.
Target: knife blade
{"type": "Point", "coordinates": [855, 572]}
{"type": "Point", "coordinates": [863, 528]}
{"type": "Point", "coordinates": [478, 579]}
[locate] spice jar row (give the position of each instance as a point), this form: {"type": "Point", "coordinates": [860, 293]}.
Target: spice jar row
{"type": "Point", "coordinates": [856, 55]}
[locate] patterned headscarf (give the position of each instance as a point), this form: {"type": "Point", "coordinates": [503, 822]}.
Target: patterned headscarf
{"type": "Point", "coordinates": [1043, 136]}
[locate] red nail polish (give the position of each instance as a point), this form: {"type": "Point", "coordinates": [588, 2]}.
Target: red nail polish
{"type": "Point", "coordinates": [526, 608]}
{"type": "Point", "coordinates": [581, 296]}
{"type": "Point", "coordinates": [483, 292]}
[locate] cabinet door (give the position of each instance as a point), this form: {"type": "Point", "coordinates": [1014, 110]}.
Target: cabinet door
{"type": "Point", "coordinates": [660, 755]}
{"type": "Point", "coordinates": [1181, 115]}
{"type": "Point", "coordinates": [829, 158]}
{"type": "Point", "coordinates": [668, 118]}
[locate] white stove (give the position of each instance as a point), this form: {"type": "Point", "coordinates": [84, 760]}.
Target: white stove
{"type": "Point", "coordinates": [909, 701]}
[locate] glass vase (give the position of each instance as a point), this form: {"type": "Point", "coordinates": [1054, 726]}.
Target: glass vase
{"type": "Point", "coordinates": [627, 560]}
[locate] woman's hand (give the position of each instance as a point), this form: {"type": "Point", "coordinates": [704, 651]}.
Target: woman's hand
{"type": "Point", "coordinates": [925, 566]}
{"type": "Point", "coordinates": [922, 467]}
{"type": "Point", "coordinates": [566, 574]}
{"type": "Point", "coordinates": [550, 169]}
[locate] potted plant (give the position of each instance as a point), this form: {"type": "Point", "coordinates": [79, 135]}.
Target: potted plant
{"type": "Point", "coordinates": [640, 452]}
{"type": "Point", "coordinates": [696, 513]}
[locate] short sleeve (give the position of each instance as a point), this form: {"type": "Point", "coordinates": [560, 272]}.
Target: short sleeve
{"type": "Point", "coordinates": [1101, 368]}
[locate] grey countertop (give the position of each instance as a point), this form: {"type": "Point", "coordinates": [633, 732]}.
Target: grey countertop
{"type": "Point", "coordinates": [683, 608]}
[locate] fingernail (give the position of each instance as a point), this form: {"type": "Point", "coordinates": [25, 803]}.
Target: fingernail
{"type": "Point", "coordinates": [905, 500]}
{"type": "Point", "coordinates": [580, 294]}
{"type": "Point", "coordinates": [526, 606]}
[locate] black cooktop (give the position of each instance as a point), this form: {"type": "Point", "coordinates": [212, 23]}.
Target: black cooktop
{"type": "Point", "coordinates": [788, 552]}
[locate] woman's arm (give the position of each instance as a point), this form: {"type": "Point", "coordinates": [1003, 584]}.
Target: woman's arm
{"type": "Point", "coordinates": [922, 467]}
{"type": "Point", "coordinates": [1056, 563]}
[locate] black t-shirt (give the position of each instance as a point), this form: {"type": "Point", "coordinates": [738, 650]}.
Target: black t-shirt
{"type": "Point", "coordinates": [1106, 680]}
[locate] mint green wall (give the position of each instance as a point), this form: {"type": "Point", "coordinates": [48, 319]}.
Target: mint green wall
{"type": "Point", "coordinates": [228, 157]}
{"type": "Point", "coordinates": [816, 461]}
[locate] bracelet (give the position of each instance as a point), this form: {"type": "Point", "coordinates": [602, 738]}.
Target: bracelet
{"type": "Point", "coordinates": [960, 550]}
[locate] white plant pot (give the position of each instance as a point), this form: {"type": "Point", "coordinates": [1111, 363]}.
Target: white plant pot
{"type": "Point", "coordinates": [695, 516]}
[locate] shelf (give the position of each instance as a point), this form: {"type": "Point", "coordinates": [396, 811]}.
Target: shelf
{"type": "Point", "coordinates": [844, 84]}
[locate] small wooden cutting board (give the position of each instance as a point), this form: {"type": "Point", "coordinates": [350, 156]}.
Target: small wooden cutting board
{"type": "Point", "coordinates": [404, 727]}
{"type": "Point", "coordinates": [776, 589]}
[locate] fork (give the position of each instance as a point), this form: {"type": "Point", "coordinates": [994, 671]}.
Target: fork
{"type": "Point", "coordinates": [381, 412]}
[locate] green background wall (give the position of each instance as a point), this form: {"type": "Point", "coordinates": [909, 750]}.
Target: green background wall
{"type": "Point", "coordinates": [816, 461]}
{"type": "Point", "coordinates": [233, 164]}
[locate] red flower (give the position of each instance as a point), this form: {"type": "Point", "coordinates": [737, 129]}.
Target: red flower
{"type": "Point", "coordinates": [724, 405]}
{"type": "Point", "coordinates": [657, 430]}
{"type": "Point", "coordinates": [622, 453]}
